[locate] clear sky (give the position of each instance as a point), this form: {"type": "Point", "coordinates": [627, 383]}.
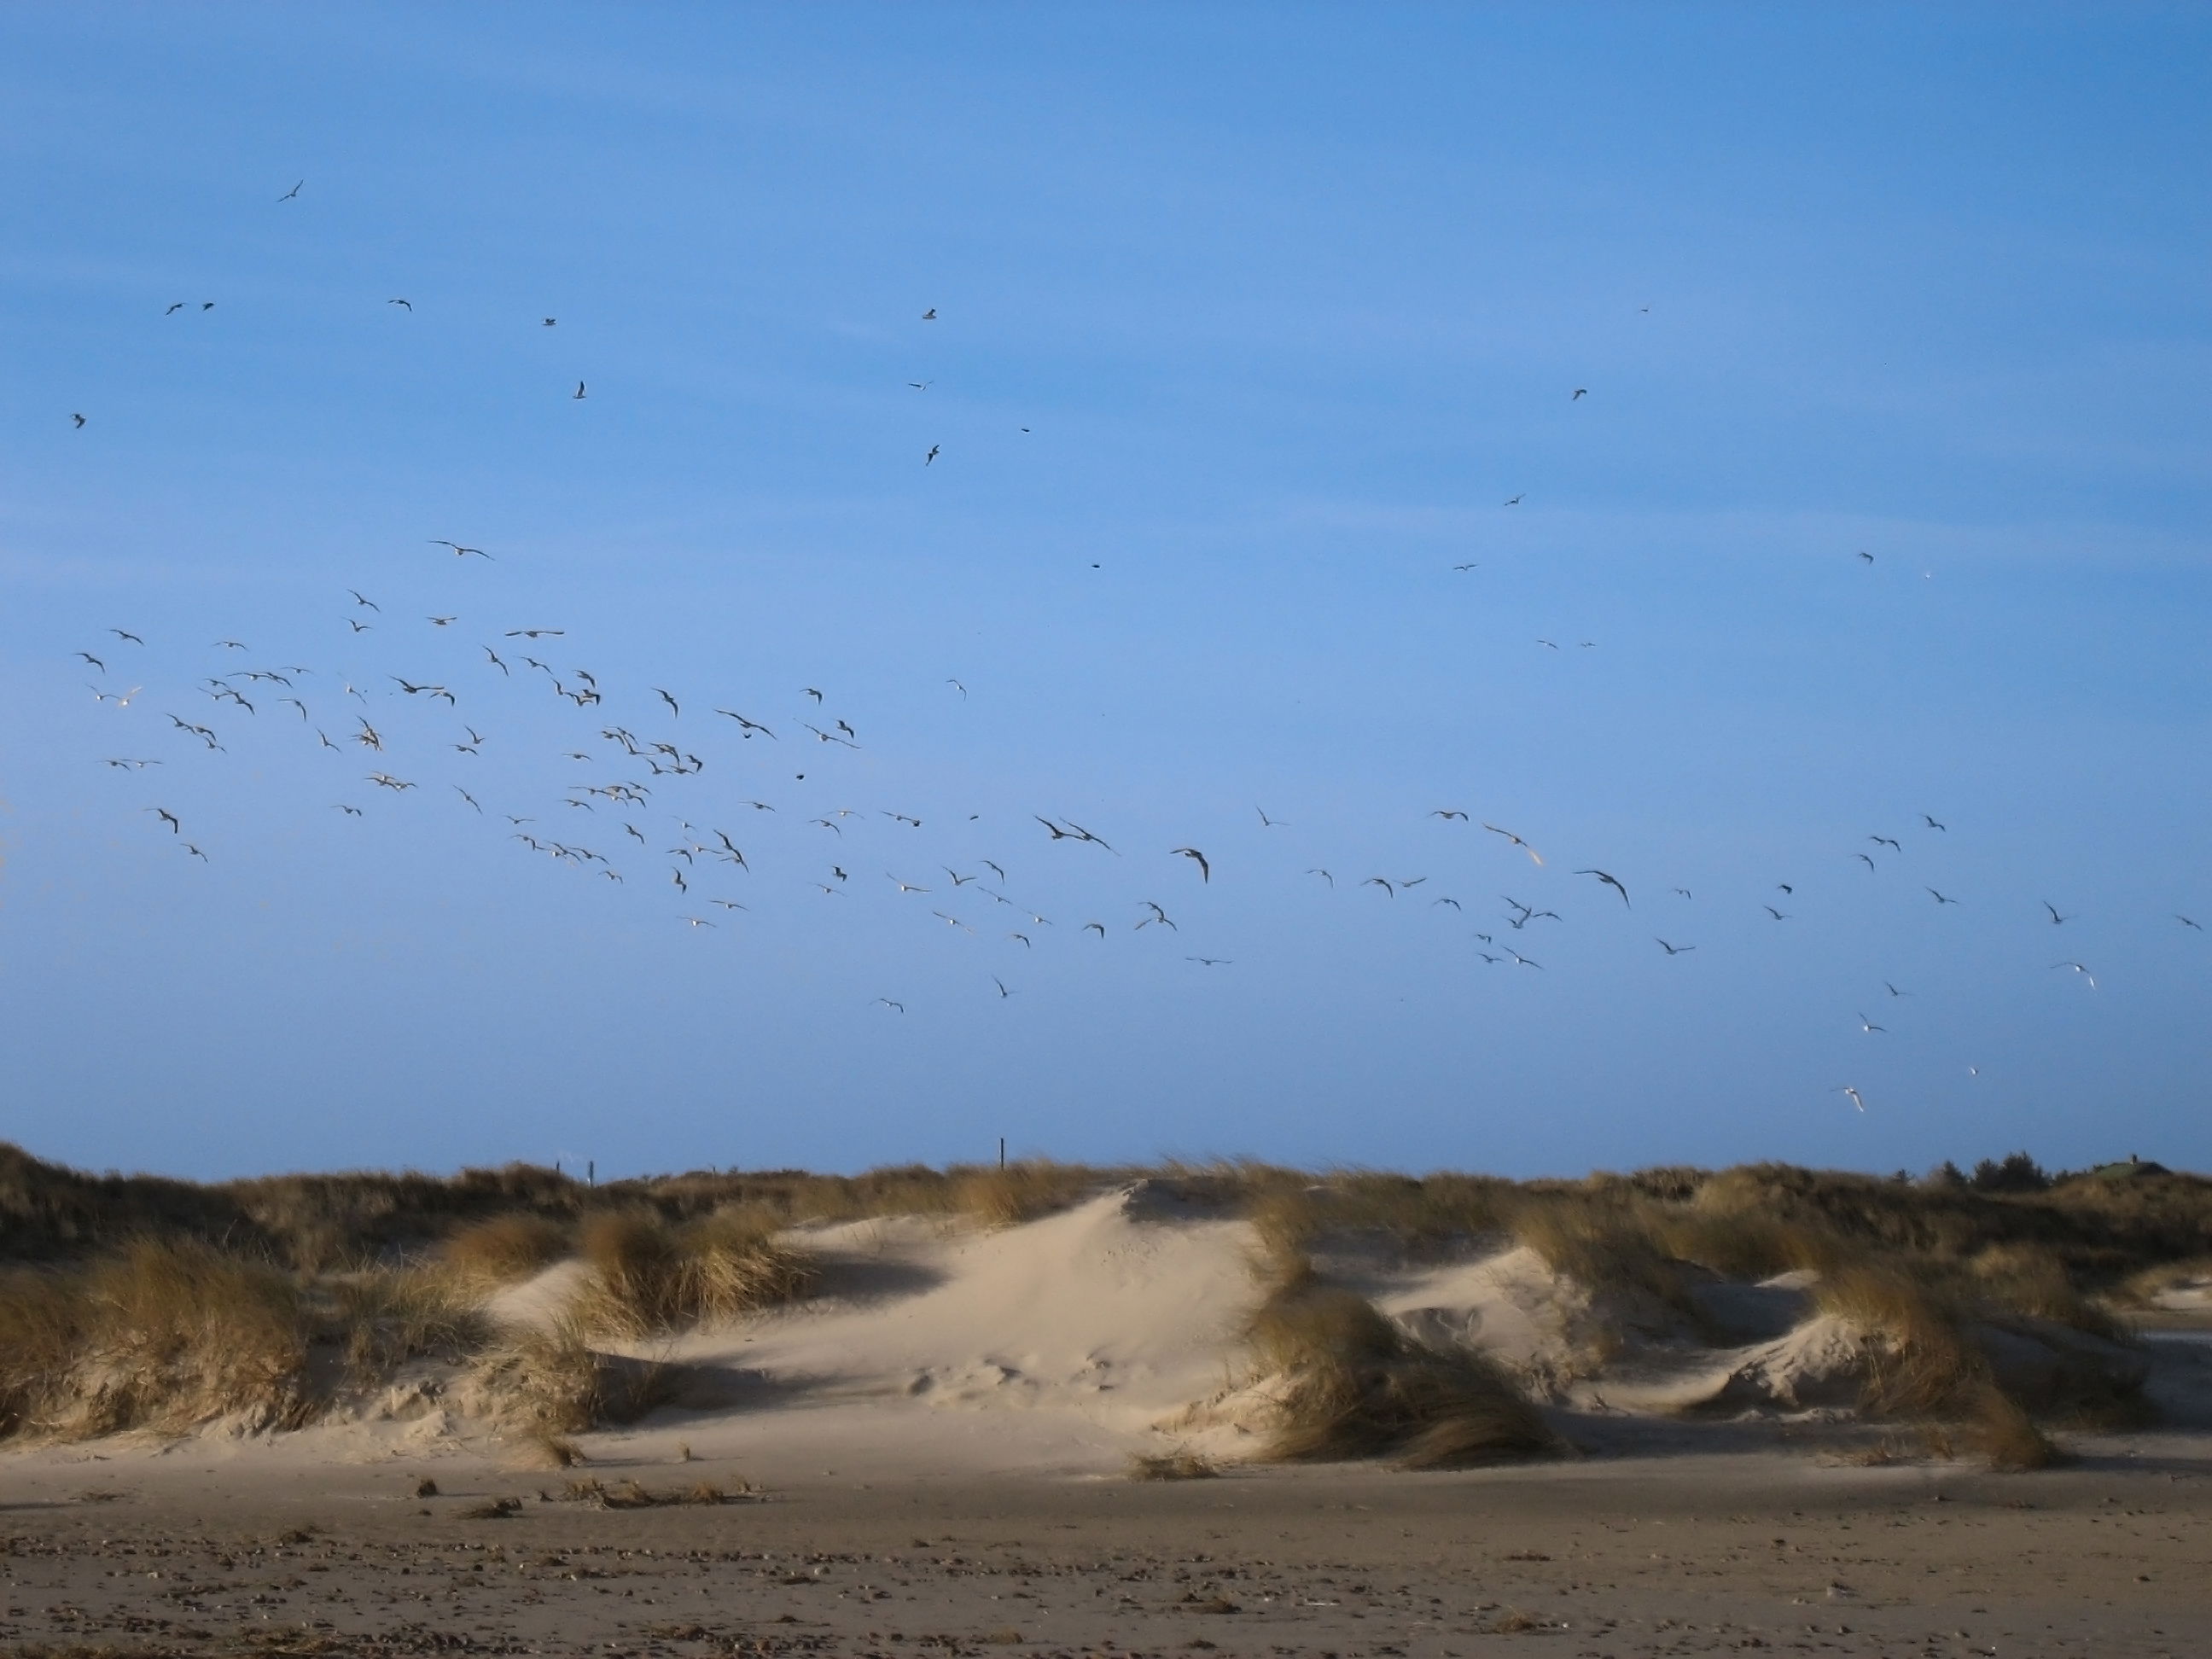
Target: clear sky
{"type": "Point", "coordinates": [1248, 323]}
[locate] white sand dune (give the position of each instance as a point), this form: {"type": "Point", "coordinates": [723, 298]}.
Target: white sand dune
{"type": "Point", "coordinates": [1060, 1346]}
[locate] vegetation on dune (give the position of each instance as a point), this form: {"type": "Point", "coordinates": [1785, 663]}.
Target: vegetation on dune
{"type": "Point", "coordinates": [140, 1302]}
{"type": "Point", "coordinates": [1348, 1383]}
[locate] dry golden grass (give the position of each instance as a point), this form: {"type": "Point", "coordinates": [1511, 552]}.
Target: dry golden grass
{"type": "Point", "coordinates": [2030, 1279]}
{"type": "Point", "coordinates": [1019, 1192]}
{"type": "Point", "coordinates": [541, 1385]}
{"type": "Point", "coordinates": [647, 1276]}
{"type": "Point", "coordinates": [1923, 1362]}
{"type": "Point", "coordinates": [2000, 1429]}
{"type": "Point", "coordinates": [1351, 1384]}
{"type": "Point", "coordinates": [387, 1316]}
{"type": "Point", "coordinates": [160, 1334]}
{"type": "Point", "coordinates": [504, 1250]}
{"type": "Point", "coordinates": [1181, 1464]}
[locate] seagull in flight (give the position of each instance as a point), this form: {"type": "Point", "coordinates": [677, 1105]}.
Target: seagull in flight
{"type": "Point", "coordinates": [1466, 567]}
{"type": "Point", "coordinates": [1854, 1094]}
{"type": "Point", "coordinates": [896, 1008]}
{"type": "Point", "coordinates": [79, 419]}
{"type": "Point", "coordinates": [1611, 881]}
{"type": "Point", "coordinates": [1205, 870]}
{"type": "Point", "coordinates": [1939, 897]}
{"type": "Point", "coordinates": [409, 304]}
{"type": "Point", "coordinates": [1672, 950]}
{"type": "Point", "coordinates": [930, 315]}
{"type": "Point", "coordinates": [1267, 823]}
{"type": "Point", "coordinates": [2056, 919]}
{"type": "Point", "coordinates": [1581, 391]}
{"type": "Point", "coordinates": [1776, 914]}
{"type": "Point", "coordinates": [1867, 557]}
{"type": "Point", "coordinates": [1377, 881]}
{"type": "Point", "coordinates": [579, 392]}
{"type": "Point", "coordinates": [1533, 854]}
{"type": "Point", "coordinates": [935, 450]}
{"type": "Point", "coordinates": [122, 634]}
{"type": "Point", "coordinates": [1324, 875]}
{"type": "Point", "coordinates": [1212, 962]}
{"type": "Point", "coordinates": [669, 701]}
{"type": "Point", "coordinates": [167, 818]}
{"type": "Point", "coordinates": [290, 193]}
{"type": "Point", "coordinates": [1869, 1026]}
{"type": "Point", "coordinates": [1516, 501]}
{"type": "Point", "coordinates": [93, 660]}
{"type": "Point", "coordinates": [2185, 921]}
{"type": "Point", "coordinates": [1932, 824]}
{"type": "Point", "coordinates": [1448, 813]}
{"type": "Point", "coordinates": [2080, 969]}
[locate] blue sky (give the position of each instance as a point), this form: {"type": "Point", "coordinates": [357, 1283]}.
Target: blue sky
{"type": "Point", "coordinates": [1249, 321]}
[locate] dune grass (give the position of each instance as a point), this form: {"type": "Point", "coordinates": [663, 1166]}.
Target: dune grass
{"type": "Point", "coordinates": [160, 1334]}
{"type": "Point", "coordinates": [648, 1277]}
{"type": "Point", "coordinates": [1350, 1384]}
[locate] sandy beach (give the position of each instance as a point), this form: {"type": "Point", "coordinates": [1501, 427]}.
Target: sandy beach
{"type": "Point", "coordinates": [933, 1451]}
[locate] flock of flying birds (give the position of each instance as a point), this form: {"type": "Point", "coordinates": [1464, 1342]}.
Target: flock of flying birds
{"type": "Point", "coordinates": [639, 812]}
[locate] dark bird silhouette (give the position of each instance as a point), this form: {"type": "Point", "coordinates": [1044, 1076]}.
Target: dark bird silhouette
{"type": "Point", "coordinates": [174, 309]}
{"type": "Point", "coordinates": [167, 818]}
{"type": "Point", "coordinates": [1868, 557]}
{"type": "Point", "coordinates": [1516, 501]}
{"type": "Point", "coordinates": [1212, 962]}
{"type": "Point", "coordinates": [896, 1008]}
{"type": "Point", "coordinates": [290, 193]}
{"type": "Point", "coordinates": [1776, 914]}
{"type": "Point", "coordinates": [930, 315]}
{"type": "Point", "coordinates": [1466, 567]}
{"type": "Point", "coordinates": [1884, 841]}
{"type": "Point", "coordinates": [1610, 882]}
{"type": "Point", "coordinates": [1939, 897]}
{"type": "Point", "coordinates": [579, 392]}
{"type": "Point", "coordinates": [1864, 860]}
{"type": "Point", "coordinates": [1448, 813]}
{"type": "Point", "coordinates": [1267, 823]}
{"type": "Point", "coordinates": [350, 811]}
{"type": "Point", "coordinates": [1533, 854]}
{"type": "Point", "coordinates": [93, 660]}
{"type": "Point", "coordinates": [1205, 870]}
{"type": "Point", "coordinates": [1324, 875]}
{"type": "Point", "coordinates": [121, 635]}
{"type": "Point", "coordinates": [2056, 919]}
{"type": "Point", "coordinates": [2185, 921]}
{"type": "Point", "coordinates": [1377, 881]}
{"type": "Point", "coordinates": [1098, 926]}
{"type": "Point", "coordinates": [409, 304]}
{"type": "Point", "coordinates": [1580, 391]}
{"type": "Point", "coordinates": [1931, 823]}
{"type": "Point", "coordinates": [935, 450]}
{"type": "Point", "coordinates": [671, 701]}
{"type": "Point", "coordinates": [79, 419]}
{"type": "Point", "coordinates": [1672, 950]}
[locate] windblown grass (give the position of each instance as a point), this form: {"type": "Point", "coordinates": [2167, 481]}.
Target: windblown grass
{"type": "Point", "coordinates": [541, 1385]}
{"type": "Point", "coordinates": [1350, 1384]}
{"type": "Point", "coordinates": [647, 1276]}
{"type": "Point", "coordinates": [504, 1248]}
{"type": "Point", "coordinates": [159, 1335]}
